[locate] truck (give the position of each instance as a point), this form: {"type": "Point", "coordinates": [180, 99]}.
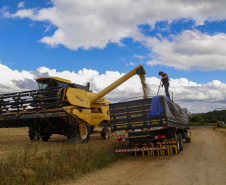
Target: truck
{"type": "Point", "coordinates": [59, 107]}
{"type": "Point", "coordinates": [152, 126]}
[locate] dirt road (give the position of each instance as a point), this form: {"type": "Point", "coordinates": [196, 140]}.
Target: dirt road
{"type": "Point", "coordinates": [203, 162]}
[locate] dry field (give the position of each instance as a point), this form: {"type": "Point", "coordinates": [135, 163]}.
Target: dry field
{"type": "Point", "coordinates": [16, 139]}
{"type": "Point", "coordinates": [202, 162]}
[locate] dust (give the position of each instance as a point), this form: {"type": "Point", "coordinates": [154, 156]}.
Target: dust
{"type": "Point", "coordinates": [144, 86]}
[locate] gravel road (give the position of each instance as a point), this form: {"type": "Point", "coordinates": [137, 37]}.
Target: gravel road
{"type": "Point", "coordinates": [203, 162]}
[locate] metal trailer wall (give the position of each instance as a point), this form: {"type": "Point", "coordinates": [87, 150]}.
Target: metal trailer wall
{"type": "Point", "coordinates": [135, 114]}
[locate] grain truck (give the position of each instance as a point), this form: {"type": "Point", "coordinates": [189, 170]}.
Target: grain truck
{"type": "Point", "coordinates": [156, 126]}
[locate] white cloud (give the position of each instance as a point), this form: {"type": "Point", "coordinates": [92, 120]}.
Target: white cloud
{"type": "Point", "coordinates": [21, 4]}
{"type": "Point", "coordinates": [196, 97]}
{"type": "Point", "coordinates": [4, 12]}
{"type": "Point", "coordinates": [131, 64]}
{"type": "Point", "coordinates": [141, 57]}
{"type": "Point", "coordinates": [191, 50]}
{"type": "Point", "coordinates": [87, 24]}
{"type": "Point", "coordinates": [94, 24]}
{"type": "Point", "coordinates": [24, 13]}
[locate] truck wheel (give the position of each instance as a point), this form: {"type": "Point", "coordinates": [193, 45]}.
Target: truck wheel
{"type": "Point", "coordinates": [105, 134]}
{"type": "Point", "coordinates": [34, 135]}
{"type": "Point", "coordinates": [181, 142]}
{"type": "Point", "coordinates": [85, 138]}
{"type": "Point", "coordinates": [178, 144]}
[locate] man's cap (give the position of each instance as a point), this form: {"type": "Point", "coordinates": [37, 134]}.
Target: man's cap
{"type": "Point", "coordinates": [160, 72]}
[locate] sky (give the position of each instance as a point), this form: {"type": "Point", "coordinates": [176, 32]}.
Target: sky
{"type": "Point", "coordinates": [98, 41]}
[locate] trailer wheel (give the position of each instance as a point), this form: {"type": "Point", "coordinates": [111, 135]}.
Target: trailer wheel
{"type": "Point", "coordinates": [181, 142]}
{"type": "Point", "coordinates": [178, 144]}
{"type": "Point", "coordinates": [105, 134]}
{"type": "Point", "coordinates": [34, 135]}
{"type": "Point", "coordinates": [85, 138]}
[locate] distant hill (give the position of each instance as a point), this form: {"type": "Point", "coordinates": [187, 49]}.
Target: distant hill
{"type": "Point", "coordinates": [209, 117]}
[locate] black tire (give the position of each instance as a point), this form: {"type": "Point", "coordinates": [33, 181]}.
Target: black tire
{"type": "Point", "coordinates": [34, 134]}
{"type": "Point", "coordinates": [178, 144]}
{"type": "Point", "coordinates": [105, 134]}
{"type": "Point", "coordinates": [181, 142]}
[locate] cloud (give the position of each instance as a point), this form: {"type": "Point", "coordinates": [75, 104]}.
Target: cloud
{"type": "Point", "coordinates": [88, 24]}
{"type": "Point", "coordinates": [141, 57]}
{"type": "Point", "coordinates": [94, 24]}
{"type": "Point", "coordinates": [4, 12]}
{"type": "Point", "coordinates": [191, 50]}
{"type": "Point", "coordinates": [21, 4]}
{"type": "Point", "coordinates": [131, 64]}
{"type": "Point", "coordinates": [196, 97]}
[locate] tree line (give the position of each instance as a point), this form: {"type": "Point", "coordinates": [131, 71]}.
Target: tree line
{"type": "Point", "coordinates": [209, 117]}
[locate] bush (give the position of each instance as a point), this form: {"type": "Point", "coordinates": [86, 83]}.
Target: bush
{"type": "Point", "coordinates": [198, 119]}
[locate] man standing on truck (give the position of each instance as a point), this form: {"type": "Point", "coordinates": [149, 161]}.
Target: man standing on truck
{"type": "Point", "coordinates": [165, 82]}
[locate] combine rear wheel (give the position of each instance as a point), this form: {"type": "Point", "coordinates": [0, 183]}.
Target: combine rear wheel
{"type": "Point", "coordinates": [105, 134]}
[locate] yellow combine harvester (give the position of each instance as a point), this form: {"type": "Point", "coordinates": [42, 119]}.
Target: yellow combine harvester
{"type": "Point", "coordinates": [59, 107]}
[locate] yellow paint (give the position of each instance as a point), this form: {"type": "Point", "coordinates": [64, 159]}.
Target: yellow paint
{"type": "Point", "coordinates": [77, 97]}
{"type": "Point", "coordinates": [115, 84]}
{"type": "Point", "coordinates": [55, 78]}
{"type": "Point", "coordinates": [82, 129]}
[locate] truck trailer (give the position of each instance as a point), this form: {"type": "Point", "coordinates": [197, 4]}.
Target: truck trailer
{"type": "Point", "coordinates": [155, 126]}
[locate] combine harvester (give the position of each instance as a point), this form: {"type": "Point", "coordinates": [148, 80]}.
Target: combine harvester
{"type": "Point", "coordinates": [155, 126]}
{"type": "Point", "coordinates": [59, 107]}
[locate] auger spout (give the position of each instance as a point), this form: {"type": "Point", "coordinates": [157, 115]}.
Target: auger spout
{"type": "Point", "coordinates": [137, 70]}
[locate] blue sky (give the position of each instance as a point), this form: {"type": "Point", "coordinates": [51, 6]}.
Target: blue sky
{"type": "Point", "coordinates": [183, 38]}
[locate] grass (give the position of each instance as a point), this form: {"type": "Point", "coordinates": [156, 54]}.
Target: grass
{"type": "Point", "coordinates": [29, 167]}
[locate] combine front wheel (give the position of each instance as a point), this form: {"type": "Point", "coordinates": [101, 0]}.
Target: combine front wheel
{"type": "Point", "coordinates": [105, 133]}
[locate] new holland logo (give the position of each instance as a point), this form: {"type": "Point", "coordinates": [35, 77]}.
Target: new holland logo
{"type": "Point", "coordinates": [79, 99]}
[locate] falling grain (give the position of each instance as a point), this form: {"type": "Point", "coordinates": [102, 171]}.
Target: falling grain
{"type": "Point", "coordinates": [144, 86]}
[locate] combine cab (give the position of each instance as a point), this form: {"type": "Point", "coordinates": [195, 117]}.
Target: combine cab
{"type": "Point", "coordinates": [59, 107]}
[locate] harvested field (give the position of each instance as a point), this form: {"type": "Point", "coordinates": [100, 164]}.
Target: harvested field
{"type": "Point", "coordinates": [15, 139]}
{"type": "Point", "coordinates": [202, 162]}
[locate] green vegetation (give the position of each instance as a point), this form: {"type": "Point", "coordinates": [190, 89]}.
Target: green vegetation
{"type": "Point", "coordinates": [30, 166]}
{"type": "Point", "coordinates": [104, 124]}
{"type": "Point", "coordinates": [209, 118]}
